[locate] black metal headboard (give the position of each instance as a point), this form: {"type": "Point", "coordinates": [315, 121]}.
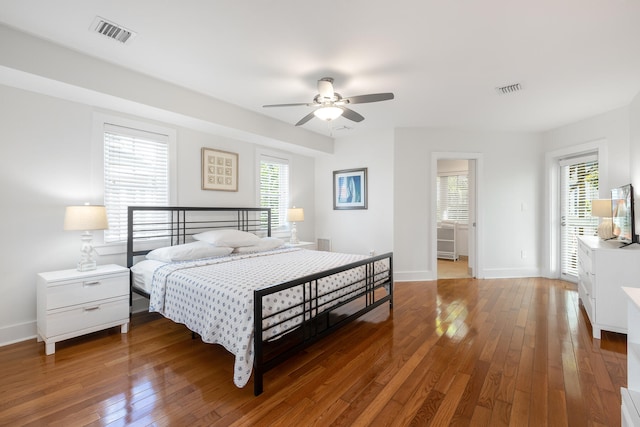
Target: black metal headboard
{"type": "Point", "coordinates": [175, 225]}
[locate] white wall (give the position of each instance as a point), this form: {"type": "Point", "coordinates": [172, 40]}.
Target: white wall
{"type": "Point", "coordinates": [45, 165]}
{"type": "Point", "coordinates": [358, 231]}
{"type": "Point", "coordinates": [189, 175]}
{"type": "Point", "coordinates": [511, 180]}
{"type": "Point", "coordinates": [612, 127]}
{"type": "Point", "coordinates": [611, 132]}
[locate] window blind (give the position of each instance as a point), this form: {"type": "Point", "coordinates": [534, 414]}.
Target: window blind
{"type": "Point", "coordinates": [453, 198]}
{"type": "Point", "coordinates": [136, 173]}
{"type": "Point", "coordinates": [579, 188]}
{"type": "Point", "coordinates": [274, 189]}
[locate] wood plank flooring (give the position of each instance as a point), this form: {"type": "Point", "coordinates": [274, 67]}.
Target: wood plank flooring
{"type": "Point", "coordinates": [457, 352]}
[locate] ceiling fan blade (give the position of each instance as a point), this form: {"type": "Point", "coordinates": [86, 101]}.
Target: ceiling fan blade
{"type": "Point", "coordinates": [289, 105]}
{"type": "Point", "coordinates": [351, 115]}
{"type": "Point", "coordinates": [374, 97]}
{"type": "Point", "coordinates": [325, 88]}
{"type": "Point", "coordinates": [305, 119]}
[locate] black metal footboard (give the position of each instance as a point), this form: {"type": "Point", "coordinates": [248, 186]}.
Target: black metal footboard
{"type": "Point", "coordinates": [322, 308]}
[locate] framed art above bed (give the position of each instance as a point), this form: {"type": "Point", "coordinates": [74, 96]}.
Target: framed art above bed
{"type": "Point", "coordinates": [219, 170]}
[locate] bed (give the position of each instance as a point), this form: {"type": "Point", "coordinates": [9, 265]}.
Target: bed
{"type": "Point", "coordinates": [262, 301]}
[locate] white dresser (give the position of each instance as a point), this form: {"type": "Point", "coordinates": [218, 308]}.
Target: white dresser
{"type": "Point", "coordinates": [603, 269]}
{"type": "Point", "coordinates": [72, 303]}
{"type": "Point", "coordinates": [630, 396]}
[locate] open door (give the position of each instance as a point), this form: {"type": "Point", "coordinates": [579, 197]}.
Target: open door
{"type": "Point", "coordinates": [472, 218]}
{"type": "Point", "coordinates": [470, 227]}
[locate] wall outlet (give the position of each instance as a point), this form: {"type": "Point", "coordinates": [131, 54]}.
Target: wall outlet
{"type": "Point", "coordinates": [523, 254]}
{"type": "Point", "coordinates": [372, 252]}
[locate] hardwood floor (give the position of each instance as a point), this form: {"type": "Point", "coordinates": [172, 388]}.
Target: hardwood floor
{"type": "Point", "coordinates": [453, 352]}
{"type": "Point", "coordinates": [448, 269]}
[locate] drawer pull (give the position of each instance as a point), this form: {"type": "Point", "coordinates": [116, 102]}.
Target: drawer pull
{"type": "Point", "coordinates": [90, 283]}
{"type": "Point", "coordinates": [92, 308]}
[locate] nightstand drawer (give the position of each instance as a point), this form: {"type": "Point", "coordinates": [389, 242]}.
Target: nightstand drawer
{"type": "Point", "coordinates": [67, 294]}
{"type": "Point", "coordinates": [86, 316]}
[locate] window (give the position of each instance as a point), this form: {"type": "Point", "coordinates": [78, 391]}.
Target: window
{"type": "Point", "coordinates": [274, 189]}
{"type": "Point", "coordinates": [453, 198]}
{"type": "Point", "coordinates": [136, 173]}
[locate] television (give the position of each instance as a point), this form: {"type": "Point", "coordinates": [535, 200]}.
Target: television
{"type": "Point", "coordinates": [622, 214]}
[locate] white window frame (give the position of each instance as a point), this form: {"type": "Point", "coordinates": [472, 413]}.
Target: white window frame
{"type": "Point", "coordinates": [99, 121]}
{"type": "Point", "coordinates": [285, 230]}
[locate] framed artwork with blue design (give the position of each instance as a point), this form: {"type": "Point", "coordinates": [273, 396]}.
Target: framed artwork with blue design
{"type": "Point", "coordinates": [350, 189]}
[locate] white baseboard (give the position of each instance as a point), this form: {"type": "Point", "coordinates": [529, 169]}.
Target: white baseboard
{"type": "Point", "coordinates": [28, 330]}
{"type": "Point", "coordinates": [511, 273]}
{"type": "Point", "coordinates": [413, 276]}
{"type": "Point", "coordinates": [17, 333]}
{"type": "Point", "coordinates": [489, 273]}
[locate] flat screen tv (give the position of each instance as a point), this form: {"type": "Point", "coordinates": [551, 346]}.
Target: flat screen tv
{"type": "Point", "coordinates": [622, 214]}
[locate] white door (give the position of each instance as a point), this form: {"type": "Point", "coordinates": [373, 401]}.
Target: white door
{"type": "Point", "coordinates": [578, 187]}
{"type": "Point", "coordinates": [472, 217]}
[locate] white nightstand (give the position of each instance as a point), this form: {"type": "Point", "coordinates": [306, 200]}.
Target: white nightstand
{"type": "Point", "coordinates": [73, 303]}
{"type": "Point", "coordinates": [303, 245]}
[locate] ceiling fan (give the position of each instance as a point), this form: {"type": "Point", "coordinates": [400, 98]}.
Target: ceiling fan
{"type": "Point", "coordinates": [329, 105]}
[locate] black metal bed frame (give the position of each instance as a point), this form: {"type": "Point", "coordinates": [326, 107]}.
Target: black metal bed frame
{"type": "Point", "coordinates": [319, 314]}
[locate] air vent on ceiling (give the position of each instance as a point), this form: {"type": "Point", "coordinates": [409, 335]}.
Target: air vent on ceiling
{"type": "Point", "coordinates": [112, 30]}
{"type": "Point", "coordinates": [505, 90]}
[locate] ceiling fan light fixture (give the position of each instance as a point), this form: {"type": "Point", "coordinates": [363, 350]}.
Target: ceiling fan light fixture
{"type": "Point", "coordinates": [328, 113]}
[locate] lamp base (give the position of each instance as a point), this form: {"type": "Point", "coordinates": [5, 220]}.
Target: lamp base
{"type": "Point", "coordinates": [294, 235]}
{"type": "Point", "coordinates": [605, 229]}
{"type": "Point", "coordinates": [87, 265]}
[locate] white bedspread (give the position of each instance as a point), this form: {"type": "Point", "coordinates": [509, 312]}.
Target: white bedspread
{"type": "Point", "coordinates": [214, 298]}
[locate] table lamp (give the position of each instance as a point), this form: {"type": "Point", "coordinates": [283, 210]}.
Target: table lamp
{"type": "Point", "coordinates": [86, 218]}
{"type": "Point", "coordinates": [294, 215]}
{"type": "Point", "coordinates": [601, 208]}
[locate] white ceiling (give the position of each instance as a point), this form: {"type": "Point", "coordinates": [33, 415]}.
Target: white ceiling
{"type": "Point", "coordinates": [443, 59]}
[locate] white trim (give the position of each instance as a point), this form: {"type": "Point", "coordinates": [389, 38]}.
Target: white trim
{"type": "Point", "coordinates": [414, 276]}
{"type": "Point", "coordinates": [479, 215]}
{"type": "Point", "coordinates": [509, 273]}
{"type": "Point", "coordinates": [551, 233]}
{"type": "Point", "coordinates": [17, 333]}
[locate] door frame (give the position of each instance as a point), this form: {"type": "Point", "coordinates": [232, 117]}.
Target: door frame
{"type": "Point", "coordinates": [551, 235]}
{"type": "Point", "coordinates": [476, 241]}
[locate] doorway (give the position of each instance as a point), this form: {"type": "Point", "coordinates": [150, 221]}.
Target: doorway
{"type": "Point", "coordinates": [578, 188]}
{"type": "Point", "coordinates": [454, 215]}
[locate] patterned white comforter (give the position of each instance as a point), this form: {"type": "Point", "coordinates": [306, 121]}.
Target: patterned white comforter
{"type": "Point", "coordinates": [214, 297]}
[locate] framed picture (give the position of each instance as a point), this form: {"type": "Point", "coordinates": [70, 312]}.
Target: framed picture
{"type": "Point", "coordinates": [219, 170]}
{"type": "Point", "coordinates": [350, 189]}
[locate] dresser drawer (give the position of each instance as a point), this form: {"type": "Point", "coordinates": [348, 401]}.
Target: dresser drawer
{"type": "Point", "coordinates": [86, 316]}
{"type": "Point", "coordinates": [65, 294]}
{"type": "Point", "coordinates": [585, 260]}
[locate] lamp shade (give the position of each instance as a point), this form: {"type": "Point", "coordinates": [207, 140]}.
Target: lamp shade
{"type": "Point", "coordinates": [328, 113]}
{"type": "Point", "coordinates": [601, 208]}
{"type": "Point", "coordinates": [295, 214]}
{"type": "Point", "coordinates": [85, 218]}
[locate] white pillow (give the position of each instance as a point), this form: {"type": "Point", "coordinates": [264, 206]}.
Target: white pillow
{"type": "Point", "coordinates": [265, 244]}
{"type": "Point", "coordinates": [188, 252]}
{"type": "Point", "coordinates": [230, 238]}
